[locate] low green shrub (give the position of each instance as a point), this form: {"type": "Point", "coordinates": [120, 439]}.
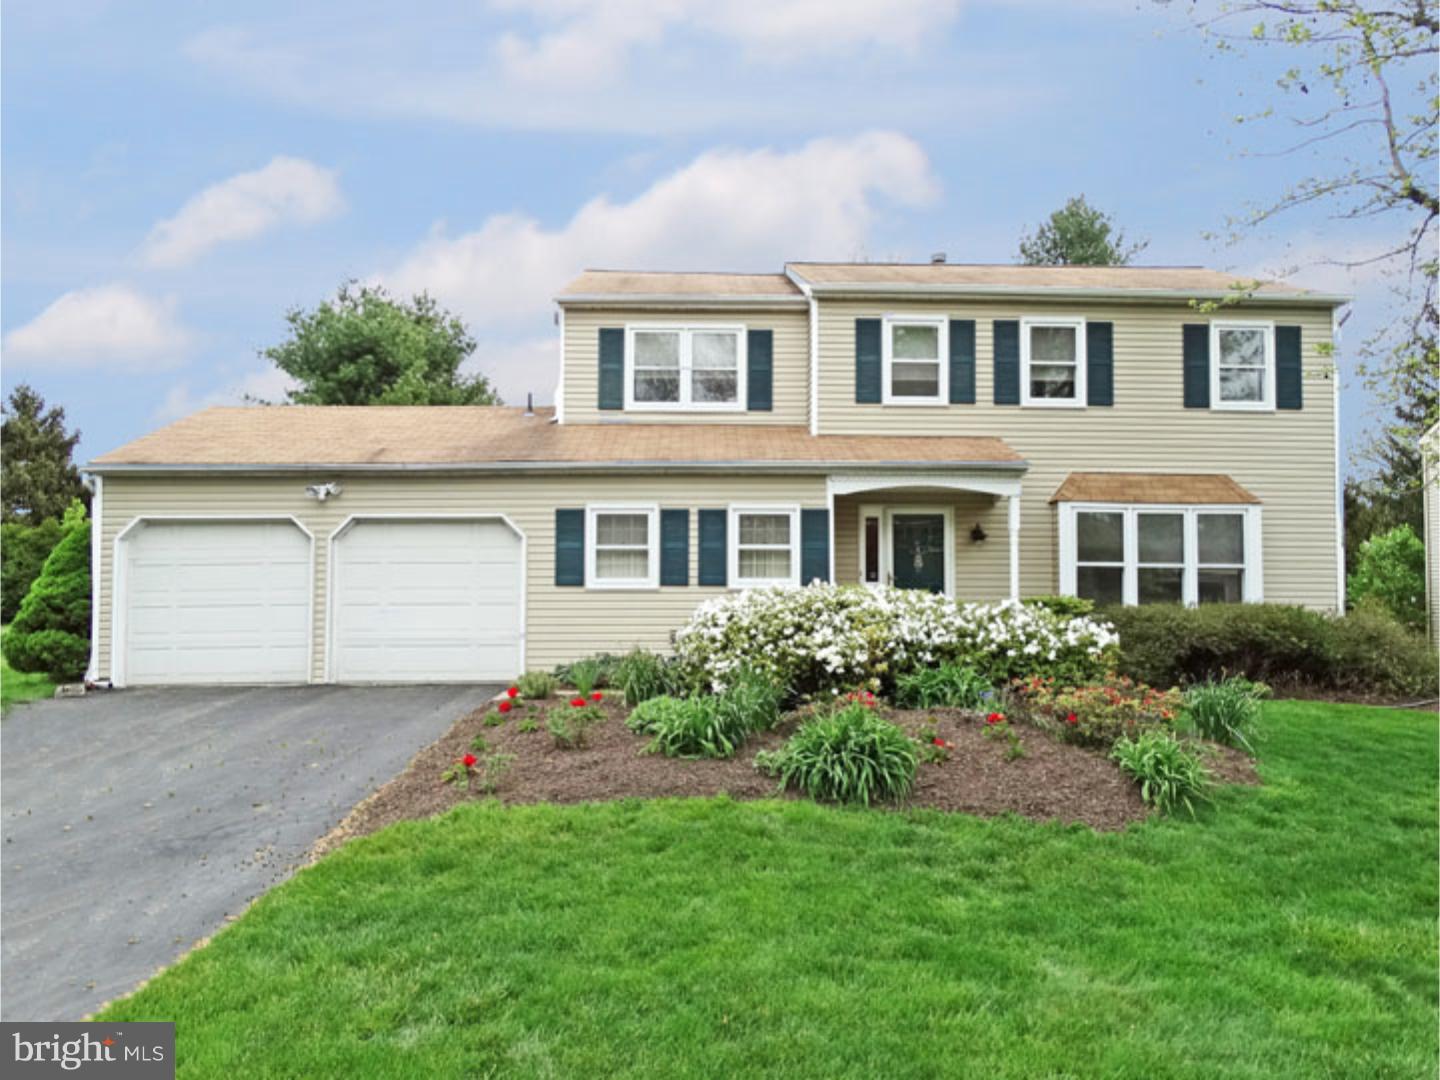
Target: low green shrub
{"type": "Point", "coordinates": [599, 668]}
{"type": "Point", "coordinates": [751, 699]}
{"type": "Point", "coordinates": [957, 686]}
{"type": "Point", "coordinates": [51, 631]}
{"type": "Point", "coordinates": [1390, 575]}
{"type": "Point", "coordinates": [712, 726]}
{"type": "Point", "coordinates": [584, 675]}
{"type": "Point", "coordinates": [1226, 710]}
{"type": "Point", "coordinates": [1168, 645]}
{"type": "Point", "coordinates": [23, 549]}
{"type": "Point", "coordinates": [1072, 607]}
{"type": "Point", "coordinates": [1170, 774]}
{"type": "Point", "coordinates": [850, 755]}
{"type": "Point", "coordinates": [643, 675]}
{"type": "Point", "coordinates": [1097, 714]}
{"type": "Point", "coordinates": [536, 685]}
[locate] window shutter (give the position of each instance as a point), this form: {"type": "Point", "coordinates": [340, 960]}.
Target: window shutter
{"type": "Point", "coordinates": [1197, 366]}
{"type": "Point", "coordinates": [962, 361]}
{"type": "Point", "coordinates": [1007, 362]}
{"type": "Point", "coordinates": [867, 362]}
{"type": "Point", "coordinates": [612, 368]}
{"type": "Point", "coordinates": [1099, 363]}
{"type": "Point", "coordinates": [674, 547]}
{"type": "Point", "coordinates": [814, 546]}
{"type": "Point", "coordinates": [712, 546]}
{"type": "Point", "coordinates": [759, 369]}
{"type": "Point", "coordinates": [1289, 368]}
{"type": "Point", "coordinates": [569, 547]}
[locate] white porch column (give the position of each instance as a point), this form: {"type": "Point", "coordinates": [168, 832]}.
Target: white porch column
{"type": "Point", "coordinates": [1014, 547]}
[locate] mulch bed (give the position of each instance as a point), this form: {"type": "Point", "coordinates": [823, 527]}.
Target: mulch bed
{"type": "Point", "coordinates": [1052, 781]}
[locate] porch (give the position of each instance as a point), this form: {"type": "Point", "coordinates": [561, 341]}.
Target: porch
{"type": "Point", "coordinates": [951, 533]}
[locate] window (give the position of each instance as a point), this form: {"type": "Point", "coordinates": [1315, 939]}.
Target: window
{"type": "Point", "coordinates": [1052, 362]}
{"type": "Point", "coordinates": [1242, 366]}
{"type": "Point", "coordinates": [1160, 554]}
{"type": "Point", "coordinates": [916, 371]}
{"type": "Point", "coordinates": [685, 367]}
{"type": "Point", "coordinates": [764, 545]}
{"type": "Point", "coordinates": [620, 547]}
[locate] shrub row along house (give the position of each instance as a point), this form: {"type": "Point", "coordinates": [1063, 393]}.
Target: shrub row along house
{"type": "Point", "coordinates": [980, 431]}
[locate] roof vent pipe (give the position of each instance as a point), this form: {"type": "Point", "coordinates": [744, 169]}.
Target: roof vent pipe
{"type": "Point", "coordinates": [529, 404]}
{"type": "Point", "coordinates": [938, 259]}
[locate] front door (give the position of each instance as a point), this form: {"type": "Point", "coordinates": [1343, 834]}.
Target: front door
{"type": "Point", "coordinates": [917, 544]}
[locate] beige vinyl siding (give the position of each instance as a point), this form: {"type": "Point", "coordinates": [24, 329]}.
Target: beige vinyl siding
{"type": "Point", "coordinates": [791, 363]}
{"type": "Point", "coordinates": [982, 571]}
{"type": "Point", "coordinates": [1285, 458]}
{"type": "Point", "coordinates": [562, 623]}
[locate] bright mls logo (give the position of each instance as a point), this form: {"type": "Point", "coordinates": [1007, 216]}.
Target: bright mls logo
{"type": "Point", "coordinates": [114, 1051]}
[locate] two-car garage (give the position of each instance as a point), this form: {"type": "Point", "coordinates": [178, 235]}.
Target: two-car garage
{"type": "Point", "coordinates": [210, 600]}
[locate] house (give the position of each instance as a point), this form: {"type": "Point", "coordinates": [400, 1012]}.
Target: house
{"type": "Point", "coordinates": [1133, 435]}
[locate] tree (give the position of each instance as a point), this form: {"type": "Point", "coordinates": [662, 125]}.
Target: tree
{"type": "Point", "coordinates": [23, 549]}
{"type": "Point", "coordinates": [365, 348]}
{"type": "Point", "coordinates": [37, 478]}
{"type": "Point", "coordinates": [1390, 574]}
{"type": "Point", "coordinates": [1078, 235]}
{"type": "Point", "coordinates": [51, 632]}
{"type": "Point", "coordinates": [1363, 77]}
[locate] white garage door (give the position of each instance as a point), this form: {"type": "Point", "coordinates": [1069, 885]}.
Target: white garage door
{"type": "Point", "coordinates": [216, 602]}
{"type": "Point", "coordinates": [420, 601]}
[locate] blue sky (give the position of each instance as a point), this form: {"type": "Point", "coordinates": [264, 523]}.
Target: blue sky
{"type": "Point", "coordinates": [178, 175]}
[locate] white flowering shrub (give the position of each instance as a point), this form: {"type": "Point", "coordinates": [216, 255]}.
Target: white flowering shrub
{"type": "Point", "coordinates": [825, 638]}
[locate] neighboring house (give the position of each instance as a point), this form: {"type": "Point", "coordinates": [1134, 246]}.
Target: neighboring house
{"type": "Point", "coordinates": [1430, 468]}
{"type": "Point", "coordinates": [982, 431]}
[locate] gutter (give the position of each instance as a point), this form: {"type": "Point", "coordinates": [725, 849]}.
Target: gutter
{"type": "Point", "coordinates": [681, 299]}
{"type": "Point", "coordinates": [817, 467]}
{"type": "Point", "coordinates": [1041, 292]}
{"type": "Point", "coordinates": [804, 287]}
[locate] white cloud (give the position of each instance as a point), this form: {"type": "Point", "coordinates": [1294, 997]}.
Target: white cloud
{"type": "Point", "coordinates": [114, 327]}
{"type": "Point", "coordinates": [728, 209]}
{"type": "Point", "coordinates": [288, 191]}
{"type": "Point", "coordinates": [265, 385]}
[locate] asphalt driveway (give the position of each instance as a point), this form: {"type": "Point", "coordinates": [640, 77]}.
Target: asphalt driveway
{"type": "Point", "coordinates": [136, 822]}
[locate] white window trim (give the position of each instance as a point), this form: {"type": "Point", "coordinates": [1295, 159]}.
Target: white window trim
{"type": "Point", "coordinates": [732, 534]}
{"type": "Point", "coordinates": [1077, 322]}
{"type": "Point", "coordinates": [942, 397]}
{"type": "Point", "coordinates": [1254, 580]}
{"type": "Point", "coordinates": [1267, 384]}
{"type": "Point", "coordinates": [886, 513]}
{"type": "Point", "coordinates": [686, 330]}
{"type": "Point", "coordinates": [652, 514]}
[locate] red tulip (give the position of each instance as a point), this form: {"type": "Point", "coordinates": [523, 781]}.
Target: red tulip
{"type": "Point", "coordinates": [995, 718]}
{"type": "Point", "coordinates": [938, 741]}
{"type": "Point", "coordinates": [577, 702]}
{"type": "Point", "coordinates": [506, 706]}
{"type": "Point", "coordinates": [597, 696]}
{"type": "Point", "coordinates": [468, 760]}
{"type": "Point", "coordinates": [514, 691]}
{"type": "Point", "coordinates": [1072, 719]}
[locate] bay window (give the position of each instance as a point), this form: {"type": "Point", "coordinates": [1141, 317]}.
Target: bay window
{"type": "Point", "coordinates": [684, 367]}
{"type": "Point", "coordinates": [1144, 554]}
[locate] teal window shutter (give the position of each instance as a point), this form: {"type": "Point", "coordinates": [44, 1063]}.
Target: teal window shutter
{"type": "Point", "coordinates": [674, 547]}
{"type": "Point", "coordinates": [1197, 365]}
{"type": "Point", "coordinates": [1007, 362]}
{"type": "Point", "coordinates": [712, 546]}
{"type": "Point", "coordinates": [1099, 363]}
{"type": "Point", "coordinates": [1289, 369]}
{"type": "Point", "coordinates": [612, 367]}
{"type": "Point", "coordinates": [814, 546]}
{"type": "Point", "coordinates": [867, 362]}
{"type": "Point", "coordinates": [962, 361]}
{"type": "Point", "coordinates": [569, 547]}
{"type": "Point", "coordinates": [759, 369]}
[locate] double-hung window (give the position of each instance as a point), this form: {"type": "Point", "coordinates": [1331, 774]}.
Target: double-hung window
{"type": "Point", "coordinates": [764, 545]}
{"type": "Point", "coordinates": [1052, 362]}
{"type": "Point", "coordinates": [1148, 554]}
{"type": "Point", "coordinates": [1242, 365]}
{"type": "Point", "coordinates": [914, 352]}
{"type": "Point", "coordinates": [685, 367]}
{"type": "Point", "coordinates": [621, 547]}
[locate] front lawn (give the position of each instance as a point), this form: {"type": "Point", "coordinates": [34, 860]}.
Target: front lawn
{"type": "Point", "coordinates": [1291, 931]}
{"type": "Point", "coordinates": [19, 686]}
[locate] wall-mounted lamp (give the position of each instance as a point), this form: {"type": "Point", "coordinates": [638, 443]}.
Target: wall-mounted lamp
{"type": "Point", "coordinates": [977, 534]}
{"type": "Point", "coordinates": [321, 492]}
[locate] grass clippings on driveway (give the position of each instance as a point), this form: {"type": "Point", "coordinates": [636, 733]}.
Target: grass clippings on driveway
{"type": "Point", "coordinates": [1052, 781]}
{"type": "Point", "coordinates": [1290, 931]}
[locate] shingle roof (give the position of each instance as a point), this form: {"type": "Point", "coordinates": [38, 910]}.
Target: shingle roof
{"type": "Point", "coordinates": [603, 283]}
{"type": "Point", "coordinates": [1181, 488]}
{"type": "Point", "coordinates": [1140, 278]}
{"type": "Point", "coordinates": [390, 436]}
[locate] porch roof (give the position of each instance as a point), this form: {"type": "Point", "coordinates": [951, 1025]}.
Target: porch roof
{"type": "Point", "coordinates": [1175, 488]}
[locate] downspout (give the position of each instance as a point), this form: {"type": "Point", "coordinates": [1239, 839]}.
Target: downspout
{"type": "Point", "coordinates": [96, 484]}
{"type": "Point", "coordinates": [560, 386]}
{"type": "Point", "coordinates": [809, 294]}
{"type": "Point", "coordinates": [1335, 325]}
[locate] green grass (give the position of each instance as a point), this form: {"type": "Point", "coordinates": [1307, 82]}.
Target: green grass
{"type": "Point", "coordinates": [1290, 931]}
{"type": "Point", "coordinates": [18, 686]}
